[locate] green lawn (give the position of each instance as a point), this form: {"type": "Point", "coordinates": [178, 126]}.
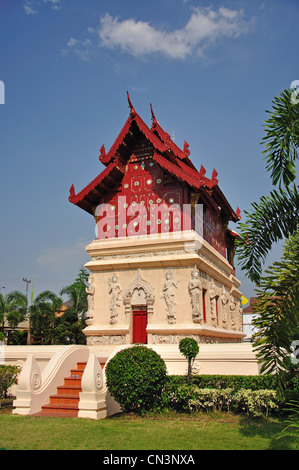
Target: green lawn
{"type": "Point", "coordinates": [216, 431]}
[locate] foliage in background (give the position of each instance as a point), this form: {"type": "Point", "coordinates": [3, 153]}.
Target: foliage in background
{"type": "Point", "coordinates": [13, 308]}
{"type": "Point", "coordinates": [282, 138]}
{"type": "Point", "coordinates": [8, 377]}
{"type": "Point", "coordinates": [77, 293]}
{"type": "Point", "coordinates": [274, 217]}
{"type": "Point", "coordinates": [135, 378]}
{"type": "Point", "coordinates": [72, 322]}
{"type": "Point", "coordinates": [43, 313]}
{"type": "Point", "coordinates": [49, 322]}
{"type": "Point", "coordinates": [278, 307]}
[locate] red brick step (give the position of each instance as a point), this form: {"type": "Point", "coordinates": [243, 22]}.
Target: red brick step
{"type": "Point", "coordinates": [66, 401]}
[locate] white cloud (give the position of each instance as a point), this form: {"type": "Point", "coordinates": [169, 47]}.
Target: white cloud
{"type": "Point", "coordinates": [55, 4]}
{"type": "Point", "coordinates": [81, 48]}
{"type": "Point", "coordinates": [139, 38]}
{"type": "Point", "coordinates": [31, 6]}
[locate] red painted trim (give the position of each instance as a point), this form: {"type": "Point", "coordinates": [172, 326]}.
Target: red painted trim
{"type": "Point", "coordinates": [106, 158]}
{"type": "Point", "coordinates": [75, 198]}
{"type": "Point", "coordinates": [195, 180]}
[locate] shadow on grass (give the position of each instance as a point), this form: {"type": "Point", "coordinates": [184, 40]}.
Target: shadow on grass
{"type": "Point", "coordinates": [268, 429]}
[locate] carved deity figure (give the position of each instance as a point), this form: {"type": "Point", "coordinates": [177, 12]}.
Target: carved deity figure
{"type": "Point", "coordinates": [239, 316]}
{"type": "Point", "coordinates": [168, 295]}
{"type": "Point", "coordinates": [90, 298]}
{"type": "Point", "coordinates": [213, 300]}
{"type": "Point", "coordinates": [195, 295]}
{"type": "Point", "coordinates": [224, 300]}
{"type": "Point", "coordinates": [114, 290]}
{"type": "Point", "coordinates": [232, 308]}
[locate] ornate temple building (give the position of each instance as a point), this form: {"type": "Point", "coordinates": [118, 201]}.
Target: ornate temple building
{"type": "Point", "coordinates": [161, 267]}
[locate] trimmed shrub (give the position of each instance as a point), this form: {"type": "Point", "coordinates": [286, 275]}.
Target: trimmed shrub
{"type": "Point", "coordinates": [192, 399]}
{"type": "Point", "coordinates": [135, 378]}
{"type": "Point", "coordinates": [189, 348]}
{"type": "Point", "coordinates": [257, 402]}
{"type": "Point", "coordinates": [182, 398]}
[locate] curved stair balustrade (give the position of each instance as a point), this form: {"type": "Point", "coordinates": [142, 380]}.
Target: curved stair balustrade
{"type": "Point", "coordinates": [35, 388]}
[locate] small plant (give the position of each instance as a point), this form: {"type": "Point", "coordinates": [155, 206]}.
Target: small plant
{"type": "Point", "coordinates": [136, 377]}
{"type": "Point", "coordinates": [8, 377]}
{"type": "Point", "coordinates": [256, 402]}
{"type": "Point", "coordinates": [189, 348]}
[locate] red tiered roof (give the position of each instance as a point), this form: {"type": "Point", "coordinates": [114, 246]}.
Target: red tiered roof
{"type": "Point", "coordinates": [166, 153]}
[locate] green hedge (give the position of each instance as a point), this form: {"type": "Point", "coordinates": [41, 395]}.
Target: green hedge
{"type": "Point", "coordinates": [252, 402]}
{"type": "Point", "coordinates": [255, 395]}
{"type": "Point", "coordinates": [237, 382]}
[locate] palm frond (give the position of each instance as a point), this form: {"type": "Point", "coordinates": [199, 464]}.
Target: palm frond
{"type": "Point", "coordinates": [278, 308]}
{"type": "Point", "coordinates": [282, 139]}
{"type": "Point", "coordinates": [273, 218]}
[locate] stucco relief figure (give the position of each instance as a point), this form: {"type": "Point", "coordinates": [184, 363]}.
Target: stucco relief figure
{"type": "Point", "coordinates": [195, 295]}
{"type": "Point", "coordinates": [224, 301]}
{"type": "Point", "coordinates": [114, 290]}
{"type": "Point", "coordinates": [239, 313]}
{"type": "Point", "coordinates": [90, 299]}
{"type": "Point", "coordinates": [213, 300]}
{"type": "Point", "coordinates": [232, 308]}
{"type": "Point", "coordinates": [168, 295]}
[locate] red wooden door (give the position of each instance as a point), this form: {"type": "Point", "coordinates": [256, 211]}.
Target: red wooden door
{"type": "Point", "coordinates": [139, 326]}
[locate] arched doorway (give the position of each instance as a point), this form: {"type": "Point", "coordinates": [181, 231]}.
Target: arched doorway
{"type": "Point", "coordinates": [138, 299]}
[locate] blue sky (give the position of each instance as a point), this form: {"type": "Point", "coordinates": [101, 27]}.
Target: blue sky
{"type": "Point", "coordinates": [210, 70]}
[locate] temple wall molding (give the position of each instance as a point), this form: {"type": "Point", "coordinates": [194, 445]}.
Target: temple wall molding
{"type": "Point", "coordinates": [169, 277]}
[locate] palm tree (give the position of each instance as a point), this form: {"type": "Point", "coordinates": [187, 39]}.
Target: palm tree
{"type": "Point", "coordinates": [278, 319]}
{"type": "Point", "coordinates": [77, 293]}
{"type": "Point", "coordinates": [274, 217]}
{"type": "Point", "coordinates": [43, 312]}
{"type": "Point", "coordinates": [13, 307]}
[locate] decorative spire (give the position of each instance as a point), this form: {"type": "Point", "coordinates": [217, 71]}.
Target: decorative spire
{"type": "Point", "coordinates": [72, 192]}
{"type": "Point", "coordinates": [155, 122]}
{"type": "Point", "coordinates": [103, 152]}
{"type": "Point", "coordinates": [202, 171]}
{"type": "Point", "coordinates": [133, 112]}
{"type": "Point", "coordinates": [186, 149]}
{"type": "Point", "coordinates": [214, 177]}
